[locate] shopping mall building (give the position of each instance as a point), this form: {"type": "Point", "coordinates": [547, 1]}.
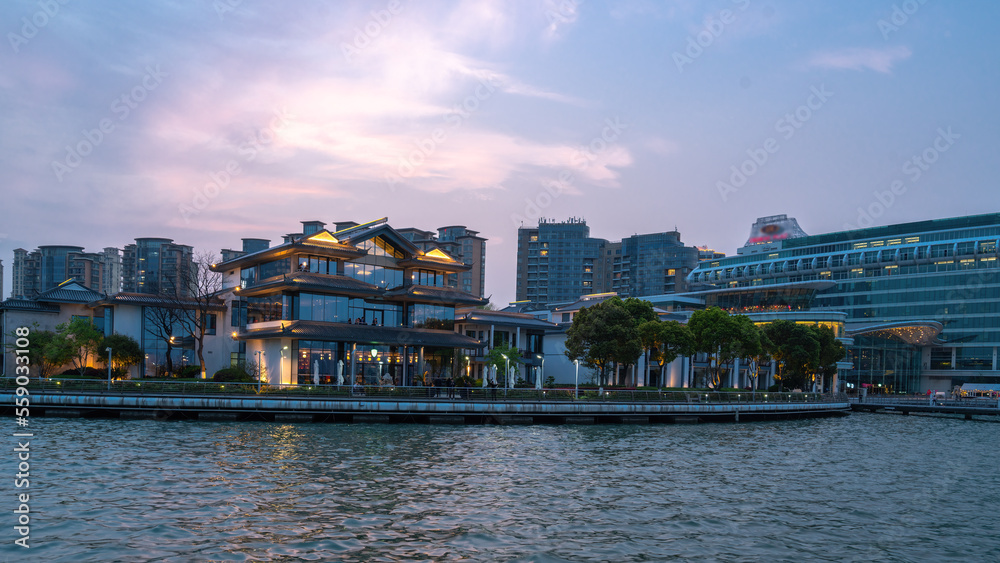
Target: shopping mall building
{"type": "Point", "coordinates": [919, 302]}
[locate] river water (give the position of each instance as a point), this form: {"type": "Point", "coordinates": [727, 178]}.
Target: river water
{"type": "Point", "coordinates": [868, 487]}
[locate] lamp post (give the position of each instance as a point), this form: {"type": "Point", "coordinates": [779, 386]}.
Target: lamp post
{"type": "Point", "coordinates": [506, 362]}
{"type": "Point", "coordinates": [260, 369]}
{"type": "Point", "coordinates": [108, 350]}
{"type": "Point", "coordinates": [541, 372]}
{"type": "Point", "coordinates": [576, 379]}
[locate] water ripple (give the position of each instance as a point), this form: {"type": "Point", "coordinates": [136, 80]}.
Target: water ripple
{"type": "Point", "coordinates": [860, 488]}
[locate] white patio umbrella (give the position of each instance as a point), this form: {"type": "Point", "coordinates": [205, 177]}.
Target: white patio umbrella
{"type": "Point", "coordinates": [315, 372]}
{"type": "Point", "coordinates": [340, 372]}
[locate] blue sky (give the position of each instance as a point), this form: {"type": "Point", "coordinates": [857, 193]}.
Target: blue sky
{"type": "Point", "coordinates": [213, 120]}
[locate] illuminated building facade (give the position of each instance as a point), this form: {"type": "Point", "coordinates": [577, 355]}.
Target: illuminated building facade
{"type": "Point", "coordinates": [359, 304]}
{"type": "Point", "coordinates": [922, 299]}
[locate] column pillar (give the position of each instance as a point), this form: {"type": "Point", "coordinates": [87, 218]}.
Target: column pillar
{"type": "Point", "coordinates": [404, 360]}
{"type": "Point", "coordinates": [420, 364]}
{"type": "Point", "coordinates": [353, 378]}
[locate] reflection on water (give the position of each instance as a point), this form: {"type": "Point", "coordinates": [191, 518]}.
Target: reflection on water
{"type": "Point", "coordinates": [860, 488]}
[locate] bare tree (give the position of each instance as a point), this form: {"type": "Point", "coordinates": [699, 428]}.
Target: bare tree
{"type": "Point", "coordinates": [201, 289]}
{"type": "Point", "coordinates": [162, 321]}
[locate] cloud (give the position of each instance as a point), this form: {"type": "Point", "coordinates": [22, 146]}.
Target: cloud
{"type": "Point", "coordinates": [879, 60]}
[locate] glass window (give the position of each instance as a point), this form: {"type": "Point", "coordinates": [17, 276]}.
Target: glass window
{"type": "Point", "coordinates": [439, 317]}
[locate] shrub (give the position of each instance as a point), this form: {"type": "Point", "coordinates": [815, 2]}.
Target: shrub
{"type": "Point", "coordinates": [188, 371]}
{"type": "Point", "coordinates": [233, 375]}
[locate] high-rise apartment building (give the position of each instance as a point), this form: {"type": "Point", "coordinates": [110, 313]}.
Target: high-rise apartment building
{"type": "Point", "coordinates": [48, 266]}
{"type": "Point", "coordinates": [156, 265]}
{"type": "Point", "coordinates": [558, 261]}
{"type": "Point", "coordinates": [463, 244]}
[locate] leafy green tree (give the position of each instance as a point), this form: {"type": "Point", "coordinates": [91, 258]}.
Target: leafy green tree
{"type": "Point", "coordinates": [795, 348]}
{"type": "Point", "coordinates": [715, 333]}
{"type": "Point", "coordinates": [603, 334]}
{"type": "Point", "coordinates": [831, 351]}
{"type": "Point", "coordinates": [665, 341]}
{"type": "Point", "coordinates": [46, 350]}
{"type": "Point", "coordinates": [82, 338]}
{"type": "Point", "coordinates": [747, 344]}
{"type": "Point", "coordinates": [125, 353]}
{"type": "Point", "coordinates": [759, 358]}
{"type": "Point", "coordinates": [650, 336]}
{"type": "Point", "coordinates": [495, 357]}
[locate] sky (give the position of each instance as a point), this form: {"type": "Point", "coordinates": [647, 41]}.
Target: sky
{"type": "Point", "coordinates": [207, 121]}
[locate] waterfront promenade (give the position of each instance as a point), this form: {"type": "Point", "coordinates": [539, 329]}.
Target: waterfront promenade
{"type": "Point", "coordinates": [447, 405]}
{"type": "Point", "coordinates": [965, 406]}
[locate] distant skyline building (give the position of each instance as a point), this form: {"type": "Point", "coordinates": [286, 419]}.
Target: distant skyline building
{"type": "Point", "coordinates": [462, 243]}
{"type": "Point", "coordinates": [156, 265]}
{"type": "Point", "coordinates": [558, 261]}
{"type": "Point", "coordinates": [48, 266]}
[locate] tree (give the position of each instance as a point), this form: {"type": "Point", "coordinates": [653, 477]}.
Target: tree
{"type": "Point", "coordinates": [715, 333]}
{"type": "Point", "coordinates": [46, 350]}
{"type": "Point", "coordinates": [747, 343]}
{"type": "Point", "coordinates": [761, 357]}
{"type": "Point", "coordinates": [125, 353]}
{"type": "Point", "coordinates": [665, 341]}
{"type": "Point", "coordinates": [495, 358]}
{"type": "Point", "coordinates": [162, 322]}
{"type": "Point", "coordinates": [198, 300]}
{"type": "Point", "coordinates": [641, 312]}
{"type": "Point", "coordinates": [650, 336]}
{"type": "Point", "coordinates": [603, 334]}
{"type": "Point", "coordinates": [795, 348]}
{"type": "Point", "coordinates": [831, 351]}
{"type": "Point", "coordinates": [81, 337]}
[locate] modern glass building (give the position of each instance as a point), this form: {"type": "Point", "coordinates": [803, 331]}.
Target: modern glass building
{"type": "Point", "coordinates": [362, 304]}
{"type": "Point", "coordinates": [922, 299]}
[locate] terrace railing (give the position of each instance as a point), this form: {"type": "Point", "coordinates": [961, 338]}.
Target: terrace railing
{"type": "Point", "coordinates": [376, 392]}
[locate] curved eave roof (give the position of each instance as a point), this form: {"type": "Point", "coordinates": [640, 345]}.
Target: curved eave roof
{"type": "Point", "coordinates": [311, 282]}
{"type": "Point", "coordinates": [507, 319]}
{"type": "Point", "coordinates": [367, 334]}
{"type": "Point", "coordinates": [917, 333]}
{"type": "Point", "coordinates": [288, 249]}
{"type": "Point", "coordinates": [434, 264]}
{"type": "Point", "coordinates": [148, 300]}
{"type": "Point", "coordinates": [429, 294]}
{"type": "Point", "coordinates": [27, 305]}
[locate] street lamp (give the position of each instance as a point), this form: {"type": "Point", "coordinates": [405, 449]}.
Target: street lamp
{"type": "Point", "coordinates": [506, 372]}
{"type": "Point", "coordinates": [541, 372]}
{"type": "Point", "coordinates": [260, 369]}
{"type": "Point", "coordinates": [108, 350]}
{"type": "Point", "coordinates": [576, 380]}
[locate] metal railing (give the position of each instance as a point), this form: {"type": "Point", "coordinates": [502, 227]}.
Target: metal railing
{"type": "Point", "coordinates": [369, 392]}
